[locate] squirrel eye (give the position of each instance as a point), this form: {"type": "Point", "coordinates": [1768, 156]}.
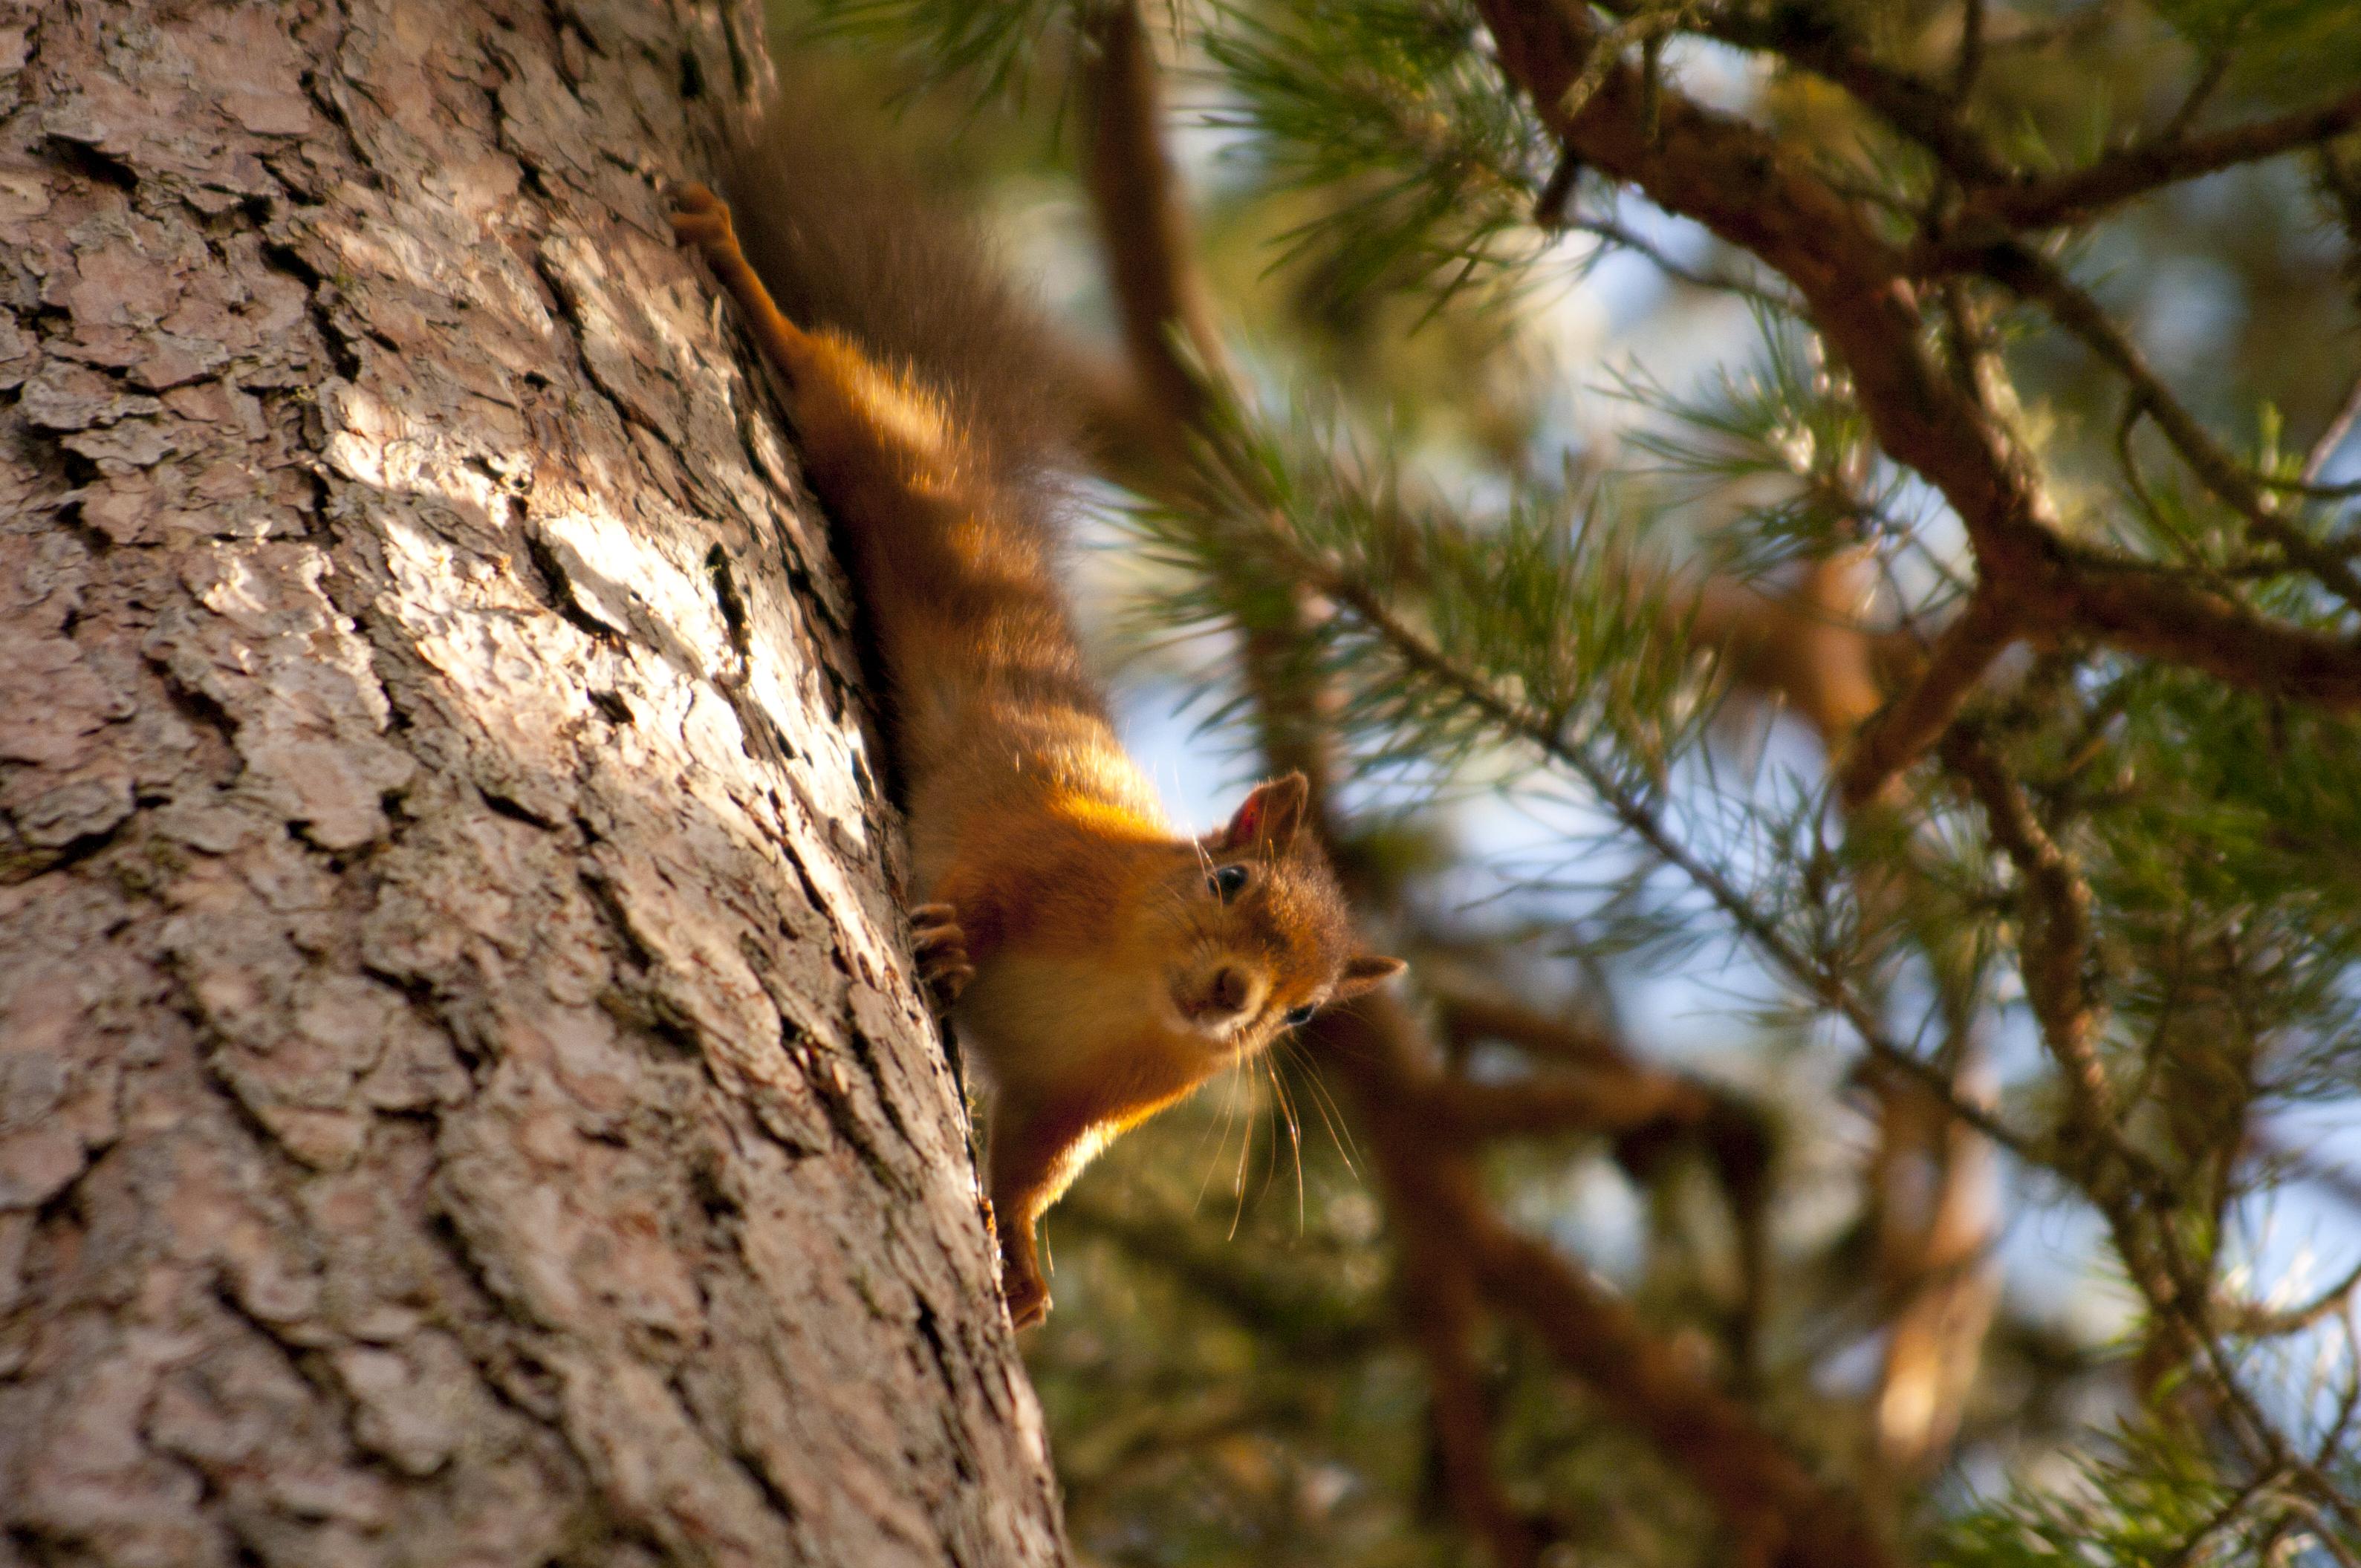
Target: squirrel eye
{"type": "Point", "coordinates": [1227, 882]}
{"type": "Point", "coordinates": [1298, 1016]}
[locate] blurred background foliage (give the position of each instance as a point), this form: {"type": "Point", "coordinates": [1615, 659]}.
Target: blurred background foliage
{"type": "Point", "coordinates": [1981, 1124]}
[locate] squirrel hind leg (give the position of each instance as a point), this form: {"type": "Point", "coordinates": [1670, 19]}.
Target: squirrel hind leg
{"type": "Point", "coordinates": [700, 218]}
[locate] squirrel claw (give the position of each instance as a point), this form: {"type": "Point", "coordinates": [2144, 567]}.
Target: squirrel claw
{"type": "Point", "coordinates": [941, 948]}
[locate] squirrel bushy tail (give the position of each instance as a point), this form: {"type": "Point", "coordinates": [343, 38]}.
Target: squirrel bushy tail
{"type": "Point", "coordinates": [846, 238]}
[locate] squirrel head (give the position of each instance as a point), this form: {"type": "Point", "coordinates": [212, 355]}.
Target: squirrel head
{"type": "Point", "coordinates": [1258, 934]}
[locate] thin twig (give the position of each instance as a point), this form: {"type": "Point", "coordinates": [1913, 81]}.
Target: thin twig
{"type": "Point", "coordinates": [1926, 113]}
{"type": "Point", "coordinates": [2234, 1505]}
{"type": "Point", "coordinates": [1629, 239]}
{"type": "Point", "coordinates": [2200, 91]}
{"type": "Point", "coordinates": [2151, 165]}
{"type": "Point", "coordinates": [2258, 1321]}
{"type": "Point", "coordinates": [2038, 278]}
{"type": "Point", "coordinates": [2055, 943]}
{"type": "Point", "coordinates": [1972, 52]}
{"type": "Point", "coordinates": [2331, 438]}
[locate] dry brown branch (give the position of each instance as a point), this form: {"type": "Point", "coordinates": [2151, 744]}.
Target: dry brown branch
{"type": "Point", "coordinates": [1559, 1104]}
{"type": "Point", "coordinates": [1780, 1516]}
{"type": "Point", "coordinates": [1143, 223]}
{"type": "Point", "coordinates": [1647, 1112]}
{"type": "Point", "coordinates": [1467, 1016]}
{"type": "Point", "coordinates": [1144, 227]}
{"type": "Point", "coordinates": [1606, 1092]}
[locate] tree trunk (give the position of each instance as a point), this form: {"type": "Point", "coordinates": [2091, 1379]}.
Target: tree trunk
{"type": "Point", "coordinates": [462, 1098]}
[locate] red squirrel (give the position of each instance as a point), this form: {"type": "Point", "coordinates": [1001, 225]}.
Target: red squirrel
{"type": "Point", "coordinates": [1100, 965]}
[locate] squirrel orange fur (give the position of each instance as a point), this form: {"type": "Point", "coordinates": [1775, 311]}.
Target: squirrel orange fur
{"type": "Point", "coordinates": [1098, 963]}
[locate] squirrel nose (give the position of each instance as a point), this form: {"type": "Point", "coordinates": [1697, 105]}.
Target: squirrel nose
{"type": "Point", "coordinates": [1229, 990]}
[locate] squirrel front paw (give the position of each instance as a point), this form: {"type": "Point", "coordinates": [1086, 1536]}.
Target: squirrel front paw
{"type": "Point", "coordinates": [941, 948]}
{"type": "Point", "coordinates": [1029, 1300]}
{"type": "Point", "coordinates": [1021, 1285]}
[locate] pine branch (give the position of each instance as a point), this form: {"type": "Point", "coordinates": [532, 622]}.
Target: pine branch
{"type": "Point", "coordinates": [1439, 1307]}
{"type": "Point", "coordinates": [2129, 1190]}
{"type": "Point", "coordinates": [2149, 166]}
{"type": "Point", "coordinates": [1747, 188]}
{"type": "Point", "coordinates": [1909, 725]}
{"type": "Point", "coordinates": [1143, 223]}
{"type": "Point", "coordinates": [1769, 1499]}
{"type": "Point", "coordinates": [2038, 278]}
{"type": "Point", "coordinates": [1422, 658]}
{"type": "Point", "coordinates": [2056, 936]}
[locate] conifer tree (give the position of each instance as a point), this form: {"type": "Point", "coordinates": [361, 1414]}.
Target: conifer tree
{"type": "Point", "coordinates": [1917, 674]}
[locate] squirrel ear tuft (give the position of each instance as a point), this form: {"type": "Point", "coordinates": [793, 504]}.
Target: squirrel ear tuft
{"type": "Point", "coordinates": [1269, 815]}
{"type": "Point", "coordinates": [1366, 972]}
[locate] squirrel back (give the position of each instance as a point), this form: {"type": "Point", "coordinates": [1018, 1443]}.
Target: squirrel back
{"type": "Point", "coordinates": [847, 239]}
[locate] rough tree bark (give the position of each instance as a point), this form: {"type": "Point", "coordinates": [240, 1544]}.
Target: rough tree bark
{"type": "Point", "coordinates": [462, 1099]}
